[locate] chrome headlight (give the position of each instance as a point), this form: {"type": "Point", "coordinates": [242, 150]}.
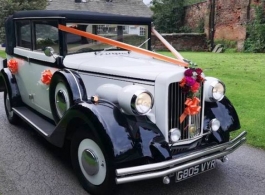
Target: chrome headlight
{"type": "Point", "coordinates": [214, 89]}
{"type": "Point", "coordinates": [135, 100]}
{"type": "Point", "coordinates": [174, 135]}
{"type": "Point", "coordinates": [142, 102]}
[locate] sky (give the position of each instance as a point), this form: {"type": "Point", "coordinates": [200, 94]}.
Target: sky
{"type": "Point", "coordinates": [146, 1]}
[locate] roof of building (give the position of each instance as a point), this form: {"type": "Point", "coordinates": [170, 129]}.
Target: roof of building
{"type": "Point", "coordinates": [121, 7]}
{"type": "Point", "coordinates": [74, 15]}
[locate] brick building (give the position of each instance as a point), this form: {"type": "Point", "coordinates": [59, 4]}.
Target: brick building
{"type": "Point", "coordinates": [229, 18]}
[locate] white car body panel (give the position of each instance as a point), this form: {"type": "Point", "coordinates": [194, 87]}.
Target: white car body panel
{"type": "Point", "coordinates": [120, 63]}
{"type": "Point", "coordinates": [28, 79]}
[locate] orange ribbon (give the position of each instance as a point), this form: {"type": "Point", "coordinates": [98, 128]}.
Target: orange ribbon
{"type": "Point", "coordinates": [192, 108]}
{"type": "Point", "coordinates": [122, 45]}
{"type": "Point", "coordinates": [46, 77]}
{"type": "Point", "coordinates": [12, 64]}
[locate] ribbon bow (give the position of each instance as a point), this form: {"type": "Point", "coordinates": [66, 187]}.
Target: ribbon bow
{"type": "Point", "coordinates": [46, 77]}
{"type": "Point", "coordinates": [13, 66]}
{"type": "Point", "coordinates": [192, 108]}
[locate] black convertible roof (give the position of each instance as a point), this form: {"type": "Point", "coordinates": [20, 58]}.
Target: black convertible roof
{"type": "Point", "coordinates": [71, 15]}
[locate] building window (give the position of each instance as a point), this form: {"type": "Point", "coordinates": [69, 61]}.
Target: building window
{"type": "Point", "coordinates": [142, 31]}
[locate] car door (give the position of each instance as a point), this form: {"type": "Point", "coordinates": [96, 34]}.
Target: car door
{"type": "Point", "coordinates": [44, 33]}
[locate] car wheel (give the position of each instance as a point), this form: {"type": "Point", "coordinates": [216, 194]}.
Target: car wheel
{"type": "Point", "coordinates": [11, 116]}
{"type": "Point", "coordinates": [60, 98]}
{"type": "Point", "coordinates": [92, 163]}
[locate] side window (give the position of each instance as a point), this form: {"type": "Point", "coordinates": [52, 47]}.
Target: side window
{"type": "Point", "coordinates": [46, 35]}
{"type": "Point", "coordinates": [23, 34]}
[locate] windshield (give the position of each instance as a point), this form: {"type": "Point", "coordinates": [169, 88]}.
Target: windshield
{"type": "Point", "coordinates": [136, 35]}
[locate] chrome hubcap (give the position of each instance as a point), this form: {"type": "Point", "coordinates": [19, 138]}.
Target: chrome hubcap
{"type": "Point", "coordinates": [61, 105]}
{"type": "Point", "coordinates": [90, 162]}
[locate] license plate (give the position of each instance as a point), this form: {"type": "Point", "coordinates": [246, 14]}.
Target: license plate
{"type": "Point", "coordinates": [195, 170]}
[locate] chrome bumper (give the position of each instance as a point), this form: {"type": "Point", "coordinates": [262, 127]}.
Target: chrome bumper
{"type": "Point", "coordinates": [169, 167]}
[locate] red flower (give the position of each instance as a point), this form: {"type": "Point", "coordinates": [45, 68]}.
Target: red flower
{"type": "Point", "coordinates": [182, 82]}
{"type": "Point", "coordinates": [12, 64]}
{"type": "Point", "coordinates": [195, 87]}
{"type": "Point", "coordinates": [199, 78]}
{"type": "Point", "coordinates": [198, 71]}
{"type": "Point", "coordinates": [46, 77]}
{"type": "Point", "coordinates": [188, 72]}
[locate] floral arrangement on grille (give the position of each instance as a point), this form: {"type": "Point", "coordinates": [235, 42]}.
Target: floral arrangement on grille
{"type": "Point", "coordinates": [190, 85]}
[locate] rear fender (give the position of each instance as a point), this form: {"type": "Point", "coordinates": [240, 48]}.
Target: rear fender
{"type": "Point", "coordinates": [10, 84]}
{"type": "Point", "coordinates": [3, 64]}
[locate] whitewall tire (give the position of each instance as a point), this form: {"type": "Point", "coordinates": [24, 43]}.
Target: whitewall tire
{"type": "Point", "coordinates": [92, 164]}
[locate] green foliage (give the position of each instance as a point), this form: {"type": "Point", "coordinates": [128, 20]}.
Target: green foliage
{"type": "Point", "coordinates": [8, 7]}
{"type": "Point", "coordinates": [191, 2]}
{"type": "Point", "coordinates": [185, 29]}
{"type": "Point", "coordinates": [255, 41]}
{"type": "Point", "coordinates": [168, 15]}
{"type": "Point", "coordinates": [200, 27]}
{"type": "Point", "coordinates": [228, 45]}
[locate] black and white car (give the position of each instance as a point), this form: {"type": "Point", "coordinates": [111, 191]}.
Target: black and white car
{"type": "Point", "coordinates": [129, 114]}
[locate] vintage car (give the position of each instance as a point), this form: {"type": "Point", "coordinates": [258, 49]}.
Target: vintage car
{"type": "Point", "coordinates": [129, 114]}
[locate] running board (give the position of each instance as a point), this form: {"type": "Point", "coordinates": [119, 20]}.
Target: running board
{"type": "Point", "coordinates": [40, 124]}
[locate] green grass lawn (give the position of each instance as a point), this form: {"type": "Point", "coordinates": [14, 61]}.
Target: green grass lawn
{"type": "Point", "coordinates": [2, 54]}
{"type": "Point", "coordinates": [244, 76]}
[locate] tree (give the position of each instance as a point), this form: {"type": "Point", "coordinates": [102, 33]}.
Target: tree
{"type": "Point", "coordinates": [8, 7]}
{"type": "Point", "coordinates": [168, 15]}
{"type": "Point", "coordinates": [255, 41]}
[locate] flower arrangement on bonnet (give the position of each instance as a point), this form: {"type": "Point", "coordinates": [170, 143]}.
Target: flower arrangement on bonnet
{"type": "Point", "coordinates": [190, 85]}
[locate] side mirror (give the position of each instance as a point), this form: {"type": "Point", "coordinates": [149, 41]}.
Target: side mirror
{"type": "Point", "coordinates": [49, 51]}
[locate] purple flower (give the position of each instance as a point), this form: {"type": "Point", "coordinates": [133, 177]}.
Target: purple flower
{"type": "Point", "coordinates": [188, 72]}
{"type": "Point", "coordinates": [190, 81]}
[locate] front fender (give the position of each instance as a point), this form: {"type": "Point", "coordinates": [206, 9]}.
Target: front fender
{"type": "Point", "coordinates": [225, 112]}
{"type": "Point", "coordinates": [130, 138]}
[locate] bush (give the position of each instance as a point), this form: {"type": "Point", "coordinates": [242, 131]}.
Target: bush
{"type": "Point", "coordinates": [228, 46]}
{"type": "Point", "coordinates": [255, 41]}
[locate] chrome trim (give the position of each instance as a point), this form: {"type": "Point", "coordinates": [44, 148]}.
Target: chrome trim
{"type": "Point", "coordinates": [76, 84]}
{"type": "Point", "coordinates": [210, 92]}
{"type": "Point", "coordinates": [32, 124]}
{"type": "Point", "coordinates": [183, 142]}
{"type": "Point", "coordinates": [176, 107]}
{"type": "Point", "coordinates": [134, 97]}
{"type": "Point", "coordinates": [155, 170]}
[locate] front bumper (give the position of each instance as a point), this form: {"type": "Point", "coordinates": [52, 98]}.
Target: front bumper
{"type": "Point", "coordinates": [169, 167]}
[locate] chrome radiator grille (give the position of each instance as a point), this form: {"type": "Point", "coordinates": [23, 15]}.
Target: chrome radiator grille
{"type": "Point", "coordinates": [191, 126]}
